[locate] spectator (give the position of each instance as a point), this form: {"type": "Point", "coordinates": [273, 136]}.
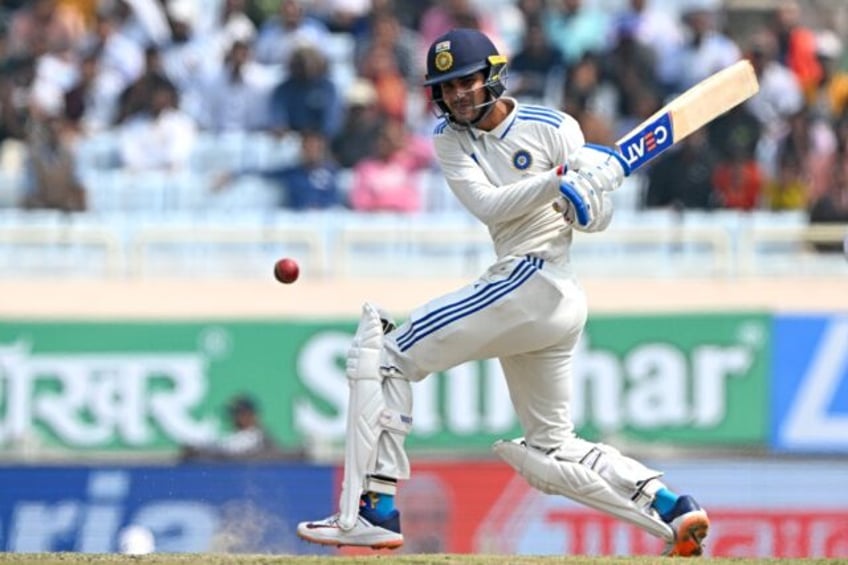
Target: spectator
{"type": "Point", "coordinates": [54, 183]}
{"type": "Point", "coordinates": [596, 127]}
{"type": "Point", "coordinates": [143, 21]}
{"type": "Point", "coordinates": [56, 69]}
{"type": "Point", "coordinates": [831, 97]}
{"type": "Point", "coordinates": [358, 135]}
{"type": "Point", "coordinates": [237, 96]}
{"type": "Point", "coordinates": [205, 33]}
{"type": "Point", "coordinates": [57, 25]}
{"type": "Point", "coordinates": [822, 165]}
{"type": "Point", "coordinates": [532, 11]}
{"type": "Point", "coordinates": [90, 104]}
{"type": "Point", "coordinates": [343, 16]}
{"type": "Point", "coordinates": [738, 181]}
{"type": "Point", "coordinates": [311, 184]}
{"type": "Point", "coordinates": [630, 67]}
{"type": "Point", "coordinates": [789, 189]}
{"type": "Point", "coordinates": [800, 138]}
{"type": "Point", "coordinates": [120, 56]}
{"type": "Point", "coordinates": [535, 67]}
{"type": "Point", "coordinates": [279, 37]}
{"type": "Point", "coordinates": [307, 100]}
{"type": "Point", "coordinates": [682, 179]}
{"type": "Point", "coordinates": [386, 31]}
{"type": "Point", "coordinates": [387, 181]}
{"type": "Point", "coordinates": [135, 98]}
{"type": "Point", "coordinates": [705, 51]}
{"type": "Point", "coordinates": [796, 46]}
{"type": "Point", "coordinates": [832, 206]}
{"type": "Point", "coordinates": [575, 29]}
{"type": "Point", "coordinates": [249, 440]}
{"type": "Point", "coordinates": [379, 66]}
{"type": "Point", "coordinates": [644, 103]}
{"type": "Point", "coordinates": [159, 138]}
{"type": "Point", "coordinates": [16, 81]}
{"type": "Point", "coordinates": [736, 130]}
{"type": "Point", "coordinates": [191, 57]}
{"type": "Point", "coordinates": [591, 99]}
{"type": "Point", "coordinates": [654, 28]}
{"type": "Point", "coordinates": [443, 15]}
{"type": "Point", "coordinates": [778, 99]}
{"type": "Point", "coordinates": [215, 16]}
{"type": "Point", "coordinates": [232, 24]}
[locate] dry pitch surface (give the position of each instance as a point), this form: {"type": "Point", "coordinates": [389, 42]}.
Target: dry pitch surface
{"type": "Point", "coordinates": [381, 559]}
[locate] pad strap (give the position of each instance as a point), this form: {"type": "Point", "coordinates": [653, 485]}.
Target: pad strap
{"type": "Point", "coordinates": [395, 421]}
{"type": "Point", "coordinates": [383, 485]}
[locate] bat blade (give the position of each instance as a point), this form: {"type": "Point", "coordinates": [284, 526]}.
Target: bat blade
{"type": "Point", "coordinates": [689, 112]}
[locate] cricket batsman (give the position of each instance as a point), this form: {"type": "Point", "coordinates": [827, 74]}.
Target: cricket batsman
{"type": "Point", "coordinates": [526, 172]}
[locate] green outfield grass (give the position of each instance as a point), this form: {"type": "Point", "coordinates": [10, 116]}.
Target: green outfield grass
{"type": "Point", "coordinates": [382, 559]}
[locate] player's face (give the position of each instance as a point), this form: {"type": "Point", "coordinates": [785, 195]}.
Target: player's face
{"type": "Point", "coordinates": [464, 95]}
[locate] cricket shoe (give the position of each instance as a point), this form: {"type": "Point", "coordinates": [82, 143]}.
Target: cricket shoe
{"type": "Point", "coordinates": [690, 524]}
{"type": "Point", "coordinates": [369, 531]}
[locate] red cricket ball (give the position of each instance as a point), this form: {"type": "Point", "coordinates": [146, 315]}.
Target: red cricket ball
{"type": "Point", "coordinates": [286, 270]}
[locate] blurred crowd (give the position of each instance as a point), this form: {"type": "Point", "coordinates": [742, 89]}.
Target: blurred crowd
{"type": "Point", "coordinates": [342, 77]}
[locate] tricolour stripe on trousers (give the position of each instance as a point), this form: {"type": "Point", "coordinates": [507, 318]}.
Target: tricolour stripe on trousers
{"type": "Point", "coordinates": [450, 313]}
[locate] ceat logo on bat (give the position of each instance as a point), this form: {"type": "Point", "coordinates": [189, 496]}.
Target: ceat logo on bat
{"type": "Point", "coordinates": [648, 142]}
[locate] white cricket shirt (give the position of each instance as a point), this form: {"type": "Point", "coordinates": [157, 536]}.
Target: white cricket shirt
{"type": "Point", "coordinates": [507, 177]}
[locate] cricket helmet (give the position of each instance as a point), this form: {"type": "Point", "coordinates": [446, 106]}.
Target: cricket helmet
{"type": "Point", "coordinates": [462, 52]}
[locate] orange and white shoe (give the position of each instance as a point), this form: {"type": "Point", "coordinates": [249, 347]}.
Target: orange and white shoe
{"type": "Point", "coordinates": [690, 524]}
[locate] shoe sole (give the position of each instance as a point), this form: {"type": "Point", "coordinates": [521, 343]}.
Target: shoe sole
{"type": "Point", "coordinates": [690, 536]}
{"type": "Point", "coordinates": [390, 544]}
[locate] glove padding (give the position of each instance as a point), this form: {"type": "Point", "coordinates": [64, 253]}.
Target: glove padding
{"type": "Point", "coordinates": [593, 155]}
{"type": "Point", "coordinates": [593, 171]}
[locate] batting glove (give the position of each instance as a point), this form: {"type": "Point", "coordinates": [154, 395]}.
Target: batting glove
{"type": "Point", "coordinates": [592, 171]}
{"type": "Point", "coordinates": [582, 206]}
{"type": "Point", "coordinates": [608, 168]}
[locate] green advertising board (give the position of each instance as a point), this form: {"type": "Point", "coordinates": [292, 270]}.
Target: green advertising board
{"type": "Point", "coordinates": [693, 380]}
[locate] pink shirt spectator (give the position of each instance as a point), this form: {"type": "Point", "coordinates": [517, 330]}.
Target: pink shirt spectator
{"type": "Point", "coordinates": [387, 181]}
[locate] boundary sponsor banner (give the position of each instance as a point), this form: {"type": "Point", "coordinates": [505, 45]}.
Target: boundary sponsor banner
{"type": "Point", "coordinates": [691, 379]}
{"type": "Point", "coordinates": [189, 508]}
{"type": "Point", "coordinates": [810, 384]}
{"type": "Point", "coordinates": [143, 385]}
{"type": "Point", "coordinates": [757, 509]}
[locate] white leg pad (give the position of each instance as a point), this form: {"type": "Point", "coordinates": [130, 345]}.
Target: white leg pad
{"type": "Point", "coordinates": [578, 482]}
{"type": "Point", "coordinates": [367, 416]}
{"type": "Point", "coordinates": [365, 405]}
{"type": "Point", "coordinates": [628, 477]}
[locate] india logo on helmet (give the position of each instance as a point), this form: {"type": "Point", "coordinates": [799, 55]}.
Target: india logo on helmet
{"type": "Point", "coordinates": [444, 60]}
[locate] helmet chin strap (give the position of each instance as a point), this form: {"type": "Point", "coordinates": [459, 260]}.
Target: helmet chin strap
{"type": "Point", "coordinates": [483, 110]}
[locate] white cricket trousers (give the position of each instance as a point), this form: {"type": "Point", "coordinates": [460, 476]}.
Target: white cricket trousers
{"type": "Point", "coordinates": [526, 312]}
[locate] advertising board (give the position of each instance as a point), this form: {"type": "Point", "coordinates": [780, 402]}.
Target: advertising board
{"type": "Point", "coordinates": [810, 384]}
{"type": "Point", "coordinates": [187, 508]}
{"type": "Point", "coordinates": [689, 379]}
{"type": "Point", "coordinates": [757, 509]}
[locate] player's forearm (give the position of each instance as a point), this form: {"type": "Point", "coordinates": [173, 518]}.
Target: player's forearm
{"type": "Point", "coordinates": [491, 204]}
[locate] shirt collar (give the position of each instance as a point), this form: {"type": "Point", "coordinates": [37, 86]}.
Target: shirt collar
{"type": "Point", "coordinates": [501, 129]}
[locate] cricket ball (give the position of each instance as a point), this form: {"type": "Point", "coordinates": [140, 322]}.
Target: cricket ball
{"type": "Point", "coordinates": [286, 270]}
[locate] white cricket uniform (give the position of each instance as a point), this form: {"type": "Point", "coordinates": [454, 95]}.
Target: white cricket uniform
{"type": "Point", "coordinates": [526, 309]}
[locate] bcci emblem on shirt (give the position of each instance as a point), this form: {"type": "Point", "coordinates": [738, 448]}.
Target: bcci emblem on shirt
{"type": "Point", "coordinates": [522, 159]}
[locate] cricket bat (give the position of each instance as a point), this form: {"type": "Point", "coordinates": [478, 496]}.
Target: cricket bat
{"type": "Point", "coordinates": [687, 113]}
